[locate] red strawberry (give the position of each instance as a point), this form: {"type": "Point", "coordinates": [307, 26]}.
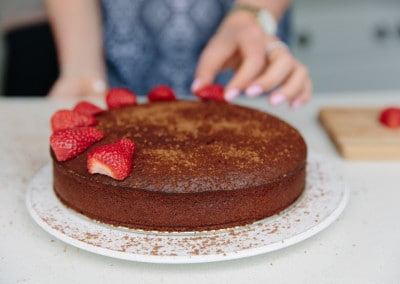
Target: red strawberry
{"type": "Point", "coordinates": [161, 93]}
{"type": "Point", "coordinates": [390, 117]}
{"type": "Point", "coordinates": [64, 119]}
{"type": "Point", "coordinates": [68, 143]}
{"type": "Point", "coordinates": [87, 108]}
{"type": "Point", "coordinates": [114, 160]}
{"type": "Point", "coordinates": [211, 92]}
{"type": "Point", "coordinates": [119, 97]}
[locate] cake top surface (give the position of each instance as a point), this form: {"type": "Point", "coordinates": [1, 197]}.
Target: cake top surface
{"type": "Point", "coordinates": [187, 146]}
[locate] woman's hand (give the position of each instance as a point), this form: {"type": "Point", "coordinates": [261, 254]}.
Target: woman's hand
{"type": "Point", "coordinates": [70, 86]}
{"type": "Point", "coordinates": [261, 63]}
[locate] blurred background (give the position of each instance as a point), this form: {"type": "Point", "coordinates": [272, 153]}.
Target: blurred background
{"type": "Point", "coordinates": [348, 45]}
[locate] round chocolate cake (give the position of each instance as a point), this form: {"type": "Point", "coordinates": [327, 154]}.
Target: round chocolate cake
{"type": "Point", "coordinates": [197, 166]}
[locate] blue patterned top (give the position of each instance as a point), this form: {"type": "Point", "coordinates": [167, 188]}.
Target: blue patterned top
{"type": "Point", "coordinates": [152, 42]}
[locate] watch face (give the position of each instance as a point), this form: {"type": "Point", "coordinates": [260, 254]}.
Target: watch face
{"type": "Point", "coordinates": [267, 22]}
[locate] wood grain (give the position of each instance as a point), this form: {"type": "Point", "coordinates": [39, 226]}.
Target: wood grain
{"type": "Point", "coordinates": [358, 134]}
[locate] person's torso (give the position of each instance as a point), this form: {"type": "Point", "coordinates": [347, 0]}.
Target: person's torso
{"type": "Point", "coordinates": [152, 42]}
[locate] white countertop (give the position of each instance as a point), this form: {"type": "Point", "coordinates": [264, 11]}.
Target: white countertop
{"type": "Point", "coordinates": [362, 246]}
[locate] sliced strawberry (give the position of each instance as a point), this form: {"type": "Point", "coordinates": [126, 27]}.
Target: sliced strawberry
{"type": "Point", "coordinates": [68, 143]}
{"type": "Point", "coordinates": [390, 117]}
{"type": "Point", "coordinates": [211, 92]}
{"type": "Point", "coordinates": [114, 160]}
{"type": "Point", "coordinates": [64, 119]}
{"type": "Point", "coordinates": [119, 97]}
{"type": "Point", "coordinates": [161, 93]}
{"type": "Point", "coordinates": [85, 107]}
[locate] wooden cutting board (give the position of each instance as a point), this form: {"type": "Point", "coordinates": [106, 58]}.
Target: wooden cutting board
{"type": "Point", "coordinates": [358, 134]}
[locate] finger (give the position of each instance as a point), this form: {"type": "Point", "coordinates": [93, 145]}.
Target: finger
{"type": "Point", "coordinates": [212, 60]}
{"type": "Point", "coordinates": [233, 62]}
{"type": "Point", "coordinates": [293, 85]}
{"type": "Point", "coordinates": [253, 60]}
{"type": "Point", "coordinates": [304, 96]}
{"type": "Point", "coordinates": [280, 66]}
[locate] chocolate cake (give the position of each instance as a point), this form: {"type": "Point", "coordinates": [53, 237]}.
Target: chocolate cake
{"type": "Point", "coordinates": [197, 166]}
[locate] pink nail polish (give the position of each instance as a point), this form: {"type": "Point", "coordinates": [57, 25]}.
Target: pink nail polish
{"type": "Point", "coordinates": [277, 99]}
{"type": "Point", "coordinates": [254, 91]}
{"type": "Point", "coordinates": [195, 85]}
{"type": "Point", "coordinates": [231, 94]}
{"type": "Point", "coordinates": [296, 104]}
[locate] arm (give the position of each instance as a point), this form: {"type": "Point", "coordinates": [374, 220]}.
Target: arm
{"type": "Point", "coordinates": [77, 30]}
{"type": "Point", "coordinates": [241, 44]}
{"type": "Point", "coordinates": [277, 8]}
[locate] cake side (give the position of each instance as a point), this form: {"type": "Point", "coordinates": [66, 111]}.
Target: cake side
{"type": "Point", "coordinates": [148, 210]}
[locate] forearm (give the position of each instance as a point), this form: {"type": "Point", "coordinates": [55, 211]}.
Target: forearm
{"type": "Point", "coordinates": [77, 29]}
{"type": "Point", "coordinates": [243, 14]}
{"type": "Point", "coordinates": [276, 7]}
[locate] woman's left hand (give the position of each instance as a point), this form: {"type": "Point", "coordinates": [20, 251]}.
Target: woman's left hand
{"type": "Point", "coordinates": [261, 62]}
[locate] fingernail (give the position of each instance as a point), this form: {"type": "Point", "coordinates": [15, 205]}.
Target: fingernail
{"type": "Point", "coordinates": [277, 99]}
{"type": "Point", "coordinates": [231, 94]}
{"type": "Point", "coordinates": [254, 91]}
{"type": "Point", "coordinates": [195, 85]}
{"type": "Point", "coordinates": [296, 104]}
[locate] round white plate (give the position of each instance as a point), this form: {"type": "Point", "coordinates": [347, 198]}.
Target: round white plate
{"type": "Point", "coordinates": [322, 202]}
